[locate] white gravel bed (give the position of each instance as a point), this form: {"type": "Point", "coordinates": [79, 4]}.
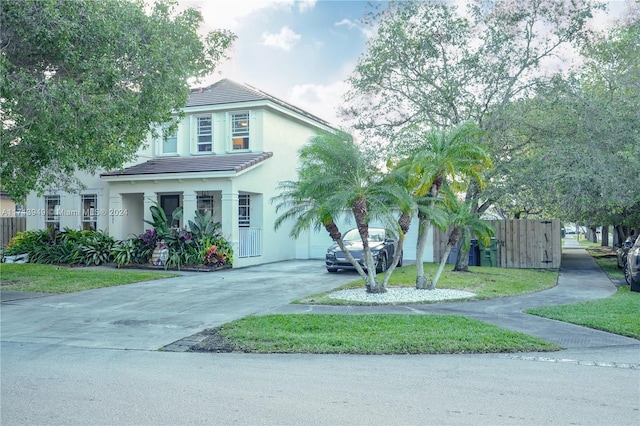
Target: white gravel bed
{"type": "Point", "coordinates": [400, 295]}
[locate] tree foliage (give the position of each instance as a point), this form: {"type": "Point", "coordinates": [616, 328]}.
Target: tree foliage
{"type": "Point", "coordinates": [580, 151]}
{"type": "Point", "coordinates": [83, 82]}
{"type": "Point", "coordinates": [432, 65]}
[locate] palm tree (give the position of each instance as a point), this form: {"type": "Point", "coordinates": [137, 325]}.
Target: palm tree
{"type": "Point", "coordinates": [336, 176]}
{"type": "Point", "coordinates": [440, 156]}
{"type": "Point", "coordinates": [465, 222]}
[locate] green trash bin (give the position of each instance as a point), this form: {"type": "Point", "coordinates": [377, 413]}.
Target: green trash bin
{"type": "Point", "coordinates": [489, 254]}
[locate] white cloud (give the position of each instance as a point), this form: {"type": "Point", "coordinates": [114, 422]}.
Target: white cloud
{"type": "Point", "coordinates": [227, 14]}
{"type": "Point", "coordinates": [367, 32]}
{"type": "Point", "coordinates": [305, 5]}
{"type": "Point", "coordinates": [285, 39]}
{"type": "Point", "coordinates": [320, 100]}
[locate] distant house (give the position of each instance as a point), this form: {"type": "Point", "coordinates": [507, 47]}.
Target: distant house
{"type": "Point", "coordinates": [231, 149]}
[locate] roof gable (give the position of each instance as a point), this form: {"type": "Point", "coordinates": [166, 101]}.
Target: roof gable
{"type": "Point", "coordinates": [227, 91]}
{"type": "Point", "coordinates": [224, 92]}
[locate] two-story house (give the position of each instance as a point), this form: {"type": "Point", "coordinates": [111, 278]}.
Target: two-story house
{"type": "Point", "coordinates": [230, 151]}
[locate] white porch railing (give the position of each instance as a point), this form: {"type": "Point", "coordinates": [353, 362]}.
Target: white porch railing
{"type": "Point", "coordinates": [250, 242]}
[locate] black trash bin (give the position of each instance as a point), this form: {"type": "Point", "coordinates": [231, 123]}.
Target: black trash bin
{"type": "Point", "coordinates": [474, 253]}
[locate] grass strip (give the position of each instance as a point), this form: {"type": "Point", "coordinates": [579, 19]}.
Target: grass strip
{"type": "Point", "coordinates": [485, 282]}
{"type": "Point", "coordinates": [30, 277]}
{"type": "Point", "coordinates": [616, 314]}
{"type": "Point", "coordinates": [606, 258]}
{"type": "Point", "coordinates": [371, 334]}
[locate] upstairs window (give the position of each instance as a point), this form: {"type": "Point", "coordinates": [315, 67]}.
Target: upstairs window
{"type": "Point", "coordinates": [205, 135]}
{"type": "Point", "coordinates": [240, 130]}
{"type": "Point", "coordinates": [169, 141]}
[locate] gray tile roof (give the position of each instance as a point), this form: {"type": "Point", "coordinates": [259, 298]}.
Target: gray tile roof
{"type": "Point", "coordinates": [228, 92]}
{"type": "Point", "coordinates": [193, 164]}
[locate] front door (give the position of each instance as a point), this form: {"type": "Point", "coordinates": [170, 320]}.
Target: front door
{"type": "Point", "coordinates": [169, 203]}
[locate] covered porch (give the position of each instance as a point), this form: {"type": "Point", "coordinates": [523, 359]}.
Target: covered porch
{"type": "Point", "coordinates": [239, 210]}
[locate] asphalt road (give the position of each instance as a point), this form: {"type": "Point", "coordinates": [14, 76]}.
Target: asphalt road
{"type": "Point", "coordinates": [62, 385]}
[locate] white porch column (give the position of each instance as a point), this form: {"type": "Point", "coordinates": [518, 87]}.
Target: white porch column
{"type": "Point", "coordinates": [115, 221]}
{"type": "Point", "coordinates": [229, 211]}
{"type": "Point", "coordinates": [189, 206]}
{"type": "Point", "coordinates": [150, 199]}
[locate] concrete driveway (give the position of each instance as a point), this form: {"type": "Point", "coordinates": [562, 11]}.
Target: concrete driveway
{"type": "Point", "coordinates": [153, 314]}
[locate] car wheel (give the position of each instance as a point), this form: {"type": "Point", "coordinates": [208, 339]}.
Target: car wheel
{"type": "Point", "coordinates": [332, 270]}
{"type": "Point", "coordinates": [382, 263]}
{"type": "Point", "coordinates": [627, 273]}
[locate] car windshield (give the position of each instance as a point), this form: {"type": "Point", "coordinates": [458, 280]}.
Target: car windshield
{"type": "Point", "coordinates": [375, 234]}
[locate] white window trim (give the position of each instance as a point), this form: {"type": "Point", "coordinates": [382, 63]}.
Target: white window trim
{"type": "Point", "coordinates": [195, 145]}
{"type": "Point", "coordinates": [160, 143]}
{"type": "Point", "coordinates": [57, 218]}
{"type": "Point", "coordinates": [241, 219]}
{"type": "Point", "coordinates": [230, 115]}
{"type": "Point", "coordinates": [84, 214]}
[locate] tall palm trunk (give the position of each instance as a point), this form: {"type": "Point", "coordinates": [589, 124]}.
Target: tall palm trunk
{"type": "Point", "coordinates": [423, 232]}
{"type": "Point", "coordinates": [404, 221]}
{"type": "Point", "coordinates": [454, 237]}
{"type": "Point", "coordinates": [359, 209]}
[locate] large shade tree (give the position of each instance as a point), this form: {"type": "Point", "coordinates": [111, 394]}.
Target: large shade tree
{"type": "Point", "coordinates": [432, 65]}
{"type": "Point", "coordinates": [82, 82]}
{"type": "Point", "coordinates": [581, 149]}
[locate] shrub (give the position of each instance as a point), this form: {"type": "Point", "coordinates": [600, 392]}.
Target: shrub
{"type": "Point", "coordinates": [123, 252]}
{"type": "Point", "coordinates": [96, 249]}
{"type": "Point", "coordinates": [67, 247]}
{"type": "Point", "coordinates": [27, 242]}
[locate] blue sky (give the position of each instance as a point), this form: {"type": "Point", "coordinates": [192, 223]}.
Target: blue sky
{"type": "Point", "coordinates": [299, 51]}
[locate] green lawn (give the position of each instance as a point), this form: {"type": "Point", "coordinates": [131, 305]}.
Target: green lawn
{"type": "Point", "coordinates": [605, 257]}
{"type": "Point", "coordinates": [485, 282]}
{"type": "Point", "coordinates": [375, 334]}
{"type": "Point", "coordinates": [617, 314]}
{"type": "Point", "coordinates": [30, 277]}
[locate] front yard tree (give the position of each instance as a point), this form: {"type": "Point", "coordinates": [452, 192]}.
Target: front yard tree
{"type": "Point", "coordinates": [435, 157]}
{"type": "Point", "coordinates": [83, 82]}
{"type": "Point", "coordinates": [336, 176]}
{"type": "Point", "coordinates": [582, 151]}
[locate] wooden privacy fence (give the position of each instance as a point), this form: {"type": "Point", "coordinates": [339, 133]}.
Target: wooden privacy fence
{"type": "Point", "coordinates": [526, 244]}
{"type": "Point", "coordinates": [9, 227]}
